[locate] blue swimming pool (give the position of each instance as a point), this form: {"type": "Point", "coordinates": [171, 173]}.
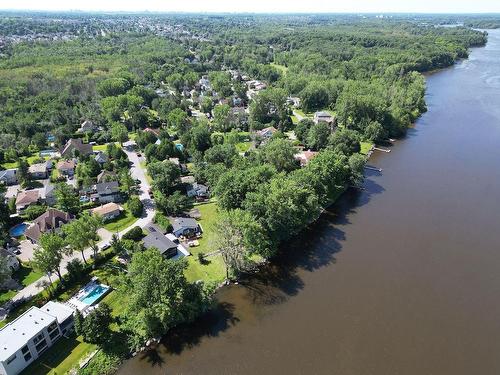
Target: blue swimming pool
{"type": "Point", "coordinates": [18, 230]}
{"type": "Point", "coordinates": [95, 294]}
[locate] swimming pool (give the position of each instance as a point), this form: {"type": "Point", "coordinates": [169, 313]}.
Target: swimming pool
{"type": "Point", "coordinates": [95, 294]}
{"type": "Point", "coordinates": [18, 230]}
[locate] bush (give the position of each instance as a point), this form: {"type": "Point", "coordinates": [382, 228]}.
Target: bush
{"type": "Point", "coordinates": [135, 234]}
{"type": "Point", "coordinates": [163, 222]}
{"type": "Point", "coordinates": [33, 211]}
{"type": "Point", "coordinates": [135, 206]}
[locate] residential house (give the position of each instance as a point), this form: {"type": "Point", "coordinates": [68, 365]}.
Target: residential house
{"type": "Point", "coordinates": [24, 339]}
{"type": "Point", "coordinates": [47, 194]}
{"type": "Point", "coordinates": [293, 100]}
{"type": "Point", "coordinates": [267, 133]}
{"type": "Point", "coordinates": [12, 261]}
{"type": "Point", "coordinates": [87, 127]}
{"type": "Point", "coordinates": [106, 176]}
{"type": "Point", "coordinates": [187, 227]}
{"type": "Point", "coordinates": [38, 171]}
{"type": "Point", "coordinates": [75, 146]}
{"type": "Point", "coordinates": [198, 191]}
{"type": "Point", "coordinates": [305, 157]}
{"type": "Point", "coordinates": [66, 167]}
{"type": "Point", "coordinates": [177, 162]}
{"type": "Point", "coordinates": [107, 192]}
{"type": "Point", "coordinates": [101, 158]}
{"type": "Point", "coordinates": [166, 247]}
{"type": "Point", "coordinates": [50, 221]}
{"type": "Point", "coordinates": [108, 211]}
{"type": "Point", "coordinates": [8, 176]}
{"type": "Point", "coordinates": [324, 117]}
{"type": "Point", "coordinates": [26, 198]}
{"type": "Point", "coordinates": [156, 132]}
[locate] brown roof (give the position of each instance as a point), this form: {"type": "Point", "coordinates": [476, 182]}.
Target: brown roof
{"type": "Point", "coordinates": [66, 164]}
{"type": "Point", "coordinates": [106, 209]}
{"type": "Point", "coordinates": [76, 144]}
{"type": "Point", "coordinates": [27, 197]}
{"type": "Point", "coordinates": [48, 221]}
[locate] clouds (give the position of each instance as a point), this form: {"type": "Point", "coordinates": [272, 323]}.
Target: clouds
{"type": "Point", "coordinates": [270, 6]}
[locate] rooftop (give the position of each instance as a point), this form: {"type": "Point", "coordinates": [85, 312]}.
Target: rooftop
{"type": "Point", "coordinates": [106, 209]}
{"type": "Point", "coordinates": [159, 241]}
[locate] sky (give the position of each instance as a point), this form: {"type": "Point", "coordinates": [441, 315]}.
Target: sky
{"type": "Point", "coordinates": [267, 6]}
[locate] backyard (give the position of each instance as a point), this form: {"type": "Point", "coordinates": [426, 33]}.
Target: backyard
{"type": "Point", "coordinates": [123, 221]}
{"type": "Point", "coordinates": [25, 275]}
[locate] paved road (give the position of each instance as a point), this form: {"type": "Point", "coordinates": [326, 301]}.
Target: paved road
{"type": "Point", "coordinates": [149, 212]}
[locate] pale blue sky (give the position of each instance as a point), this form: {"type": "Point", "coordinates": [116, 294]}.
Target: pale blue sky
{"type": "Point", "coordinates": [308, 6]}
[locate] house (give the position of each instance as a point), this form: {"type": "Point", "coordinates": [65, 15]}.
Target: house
{"type": "Point", "coordinates": [50, 221]}
{"type": "Point", "coordinates": [108, 211]}
{"type": "Point", "coordinates": [8, 176]}
{"type": "Point", "coordinates": [26, 198]}
{"type": "Point", "coordinates": [166, 247]}
{"type": "Point", "coordinates": [293, 100]}
{"type": "Point", "coordinates": [177, 162]}
{"type": "Point", "coordinates": [24, 339]}
{"type": "Point", "coordinates": [267, 133]}
{"type": "Point", "coordinates": [187, 227]}
{"type": "Point", "coordinates": [106, 176]}
{"type": "Point", "coordinates": [66, 167]}
{"type": "Point", "coordinates": [75, 146]}
{"type": "Point", "coordinates": [156, 132]}
{"type": "Point", "coordinates": [38, 171]}
{"type": "Point", "coordinates": [12, 261]}
{"type": "Point", "coordinates": [87, 127]}
{"type": "Point", "coordinates": [108, 192]}
{"type": "Point", "coordinates": [187, 180]}
{"type": "Point", "coordinates": [47, 194]}
{"type": "Point", "coordinates": [324, 117]}
{"type": "Point", "coordinates": [198, 191]}
{"type": "Point", "coordinates": [305, 157]}
{"type": "Point", "coordinates": [101, 158]}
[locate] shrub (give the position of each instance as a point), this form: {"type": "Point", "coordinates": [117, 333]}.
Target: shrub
{"type": "Point", "coordinates": [135, 234]}
{"type": "Point", "coordinates": [163, 222]}
{"type": "Point", "coordinates": [33, 211]}
{"type": "Point", "coordinates": [135, 206]}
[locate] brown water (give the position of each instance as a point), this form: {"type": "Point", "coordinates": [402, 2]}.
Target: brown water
{"type": "Point", "coordinates": [402, 278]}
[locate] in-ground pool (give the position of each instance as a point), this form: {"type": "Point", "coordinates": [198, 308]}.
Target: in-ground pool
{"type": "Point", "coordinates": [18, 230]}
{"type": "Point", "coordinates": [94, 294]}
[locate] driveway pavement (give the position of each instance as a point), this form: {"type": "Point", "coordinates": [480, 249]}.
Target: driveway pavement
{"type": "Point", "coordinates": [149, 211]}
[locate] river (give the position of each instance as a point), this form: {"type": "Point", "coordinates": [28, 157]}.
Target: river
{"type": "Point", "coordinates": [400, 278]}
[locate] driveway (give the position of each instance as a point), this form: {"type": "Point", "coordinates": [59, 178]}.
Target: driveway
{"type": "Point", "coordinates": [149, 211]}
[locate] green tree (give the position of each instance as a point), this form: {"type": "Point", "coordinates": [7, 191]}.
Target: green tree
{"type": "Point", "coordinates": [159, 296]}
{"type": "Point", "coordinates": [135, 206]}
{"type": "Point", "coordinates": [175, 204]}
{"type": "Point", "coordinates": [221, 117]}
{"type": "Point", "coordinates": [94, 328]}
{"type": "Point", "coordinates": [23, 174]}
{"type": "Point", "coordinates": [317, 137]}
{"type": "Point", "coordinates": [47, 258]}
{"type": "Point", "coordinates": [66, 199]}
{"type": "Point", "coordinates": [345, 141]}
{"type": "Point", "coordinates": [82, 234]}
{"type": "Point", "coordinates": [280, 154]}
{"type": "Point", "coordinates": [119, 133]}
{"type": "Point", "coordinates": [165, 176]}
{"type": "Point", "coordinates": [5, 270]}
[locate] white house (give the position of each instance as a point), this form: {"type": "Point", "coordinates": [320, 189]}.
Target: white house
{"type": "Point", "coordinates": [24, 339]}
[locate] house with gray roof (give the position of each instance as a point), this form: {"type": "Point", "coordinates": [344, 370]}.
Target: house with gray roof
{"type": "Point", "coordinates": [166, 247]}
{"type": "Point", "coordinates": [8, 176]}
{"type": "Point", "coordinates": [323, 116]}
{"type": "Point", "coordinates": [185, 226]}
{"type": "Point", "coordinates": [108, 192]}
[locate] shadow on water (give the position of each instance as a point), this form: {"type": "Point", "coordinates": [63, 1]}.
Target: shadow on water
{"type": "Point", "coordinates": [185, 336]}
{"type": "Point", "coordinates": [276, 282]}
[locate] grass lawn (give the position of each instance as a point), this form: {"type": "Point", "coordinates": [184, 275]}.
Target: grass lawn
{"type": "Point", "coordinates": [60, 358]}
{"type": "Point", "coordinates": [123, 221]}
{"type": "Point", "coordinates": [26, 276]}
{"type": "Point", "coordinates": [213, 269]}
{"type": "Point", "coordinates": [365, 147]}
{"type": "Point", "coordinates": [243, 146]}
{"type": "Point", "coordinates": [142, 164]}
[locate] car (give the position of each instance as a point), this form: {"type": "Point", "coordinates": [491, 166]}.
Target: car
{"type": "Point", "coordinates": [137, 181]}
{"type": "Point", "coordinates": [139, 154]}
{"type": "Point", "coordinates": [105, 247]}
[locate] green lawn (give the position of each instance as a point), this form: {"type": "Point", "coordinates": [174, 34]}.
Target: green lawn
{"type": "Point", "coordinates": [213, 269]}
{"type": "Point", "coordinates": [365, 147]}
{"type": "Point", "coordinates": [243, 146]}
{"type": "Point", "coordinates": [142, 164]}
{"type": "Point", "coordinates": [30, 159]}
{"type": "Point", "coordinates": [60, 358]}
{"type": "Point", "coordinates": [123, 221]}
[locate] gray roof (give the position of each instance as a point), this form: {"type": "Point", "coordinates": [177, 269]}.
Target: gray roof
{"type": "Point", "coordinates": [323, 114]}
{"type": "Point", "coordinates": [8, 173]}
{"type": "Point", "coordinates": [101, 157]}
{"type": "Point", "coordinates": [159, 241]}
{"type": "Point", "coordinates": [105, 188]}
{"type": "Point", "coordinates": [184, 223]}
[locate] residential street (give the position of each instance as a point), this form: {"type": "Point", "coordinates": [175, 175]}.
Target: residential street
{"type": "Point", "coordinates": [149, 211]}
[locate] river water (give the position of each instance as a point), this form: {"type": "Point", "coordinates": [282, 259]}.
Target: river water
{"type": "Point", "coordinates": [401, 278]}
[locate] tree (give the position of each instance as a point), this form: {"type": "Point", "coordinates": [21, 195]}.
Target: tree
{"type": "Point", "coordinates": [135, 206]}
{"type": "Point", "coordinates": [82, 234]}
{"type": "Point", "coordinates": [5, 270]}
{"type": "Point", "coordinates": [127, 183]}
{"type": "Point", "coordinates": [221, 82]}
{"type": "Point", "coordinates": [302, 129]}
{"type": "Point", "coordinates": [357, 164]}
{"type": "Point", "coordinates": [314, 97]}
{"type": "Point", "coordinates": [175, 204]}
{"type": "Point", "coordinates": [198, 137]}
{"type": "Point", "coordinates": [224, 154]}
{"type": "Point", "coordinates": [113, 87]}
{"type": "Point", "coordinates": [165, 175]}
{"type": "Point", "coordinates": [94, 328]}
{"type": "Point", "coordinates": [374, 132]}
{"type": "Point", "coordinates": [159, 296]}
{"type": "Point", "coordinates": [47, 258]}
{"type": "Point", "coordinates": [280, 154]}
{"type": "Point", "coordinates": [66, 199]}
{"type": "Point", "coordinates": [23, 174]}
{"type": "Point", "coordinates": [345, 141]}
{"type": "Point", "coordinates": [119, 132]}
{"type": "Point", "coordinates": [317, 137]}
{"type": "Point", "coordinates": [237, 236]}
{"type": "Point", "coordinates": [178, 120]}
{"type": "Point", "coordinates": [207, 104]}
{"type": "Point", "coordinates": [270, 105]}
{"type": "Point", "coordinates": [221, 117]}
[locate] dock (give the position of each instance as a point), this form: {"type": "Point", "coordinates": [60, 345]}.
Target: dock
{"type": "Point", "coordinates": [373, 168]}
